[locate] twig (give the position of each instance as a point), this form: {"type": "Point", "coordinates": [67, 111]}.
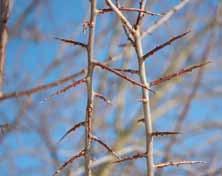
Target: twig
{"type": "Point", "coordinates": [121, 16]}
{"type": "Point", "coordinates": [178, 163]}
{"type": "Point", "coordinates": [128, 9]}
{"type": "Point", "coordinates": [73, 42]}
{"type": "Point", "coordinates": [133, 157]}
{"type": "Point", "coordinates": [40, 88]}
{"type": "Point", "coordinates": [105, 146]}
{"type": "Point", "coordinates": [122, 76]}
{"type": "Point", "coordinates": [165, 17]}
{"type": "Point", "coordinates": [179, 73]}
{"type": "Point", "coordinates": [72, 130]}
{"type": "Point", "coordinates": [109, 158]}
{"type": "Point", "coordinates": [81, 153]}
{"type": "Point", "coordinates": [98, 95]}
{"type": "Point", "coordinates": [141, 14]}
{"type": "Point", "coordinates": [127, 70]}
{"type": "Point", "coordinates": [165, 133]}
{"type": "Point", "coordinates": [164, 45]}
{"type": "Point", "coordinates": [74, 84]}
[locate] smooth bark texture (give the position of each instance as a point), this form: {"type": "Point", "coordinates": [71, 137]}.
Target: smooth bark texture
{"type": "Point", "coordinates": [146, 105]}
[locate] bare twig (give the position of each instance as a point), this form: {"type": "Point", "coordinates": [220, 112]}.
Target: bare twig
{"type": "Point", "coordinates": [98, 95]}
{"type": "Point", "coordinates": [165, 17]}
{"type": "Point", "coordinates": [63, 90]}
{"type": "Point", "coordinates": [73, 42]}
{"type": "Point", "coordinates": [133, 157]}
{"type": "Point", "coordinates": [128, 9]}
{"type": "Point", "coordinates": [121, 16]}
{"type": "Point", "coordinates": [109, 158]}
{"type": "Point", "coordinates": [165, 133]}
{"type": "Point", "coordinates": [105, 146]}
{"type": "Point", "coordinates": [179, 73]}
{"type": "Point", "coordinates": [127, 70]}
{"type": "Point", "coordinates": [164, 45]}
{"type": "Point", "coordinates": [122, 76]}
{"type": "Point", "coordinates": [40, 88]}
{"type": "Point", "coordinates": [141, 14]}
{"type": "Point", "coordinates": [178, 163]}
{"type": "Point", "coordinates": [81, 153]}
{"type": "Point", "coordinates": [72, 130]}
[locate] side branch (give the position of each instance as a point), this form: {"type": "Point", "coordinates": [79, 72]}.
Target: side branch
{"type": "Point", "coordinates": [164, 133]}
{"type": "Point", "coordinates": [109, 149]}
{"type": "Point", "coordinates": [63, 90]}
{"type": "Point", "coordinates": [40, 88]}
{"type": "Point", "coordinates": [122, 76]}
{"type": "Point", "coordinates": [179, 73]}
{"type": "Point", "coordinates": [177, 163]}
{"type": "Point", "coordinates": [81, 153]}
{"type": "Point", "coordinates": [73, 42]}
{"type": "Point", "coordinates": [164, 45]}
{"type": "Point", "coordinates": [102, 97]}
{"type": "Point", "coordinates": [133, 157]}
{"type": "Point", "coordinates": [128, 9]}
{"type": "Point", "coordinates": [72, 130]}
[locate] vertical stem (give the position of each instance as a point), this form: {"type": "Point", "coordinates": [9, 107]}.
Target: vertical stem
{"type": "Point", "coordinates": [146, 104]}
{"type": "Point", "coordinates": [4, 13]}
{"type": "Point", "coordinates": [89, 82]}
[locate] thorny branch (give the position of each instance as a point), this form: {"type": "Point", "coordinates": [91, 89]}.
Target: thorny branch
{"type": "Point", "coordinates": [73, 42]}
{"type": "Point", "coordinates": [81, 153]}
{"type": "Point", "coordinates": [42, 87]}
{"type": "Point", "coordinates": [128, 9]}
{"type": "Point", "coordinates": [109, 149]}
{"type": "Point", "coordinates": [179, 73]}
{"type": "Point", "coordinates": [72, 130]}
{"type": "Point", "coordinates": [164, 45]}
{"type": "Point", "coordinates": [103, 66]}
{"type": "Point", "coordinates": [89, 82]}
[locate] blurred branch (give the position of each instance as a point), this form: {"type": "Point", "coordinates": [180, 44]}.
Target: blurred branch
{"type": "Point", "coordinates": [165, 17]}
{"type": "Point", "coordinates": [4, 15]}
{"type": "Point", "coordinates": [133, 157]}
{"type": "Point", "coordinates": [40, 88]}
{"type": "Point", "coordinates": [178, 163]}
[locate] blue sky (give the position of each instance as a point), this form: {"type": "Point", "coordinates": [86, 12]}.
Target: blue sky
{"type": "Point", "coordinates": [28, 58]}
